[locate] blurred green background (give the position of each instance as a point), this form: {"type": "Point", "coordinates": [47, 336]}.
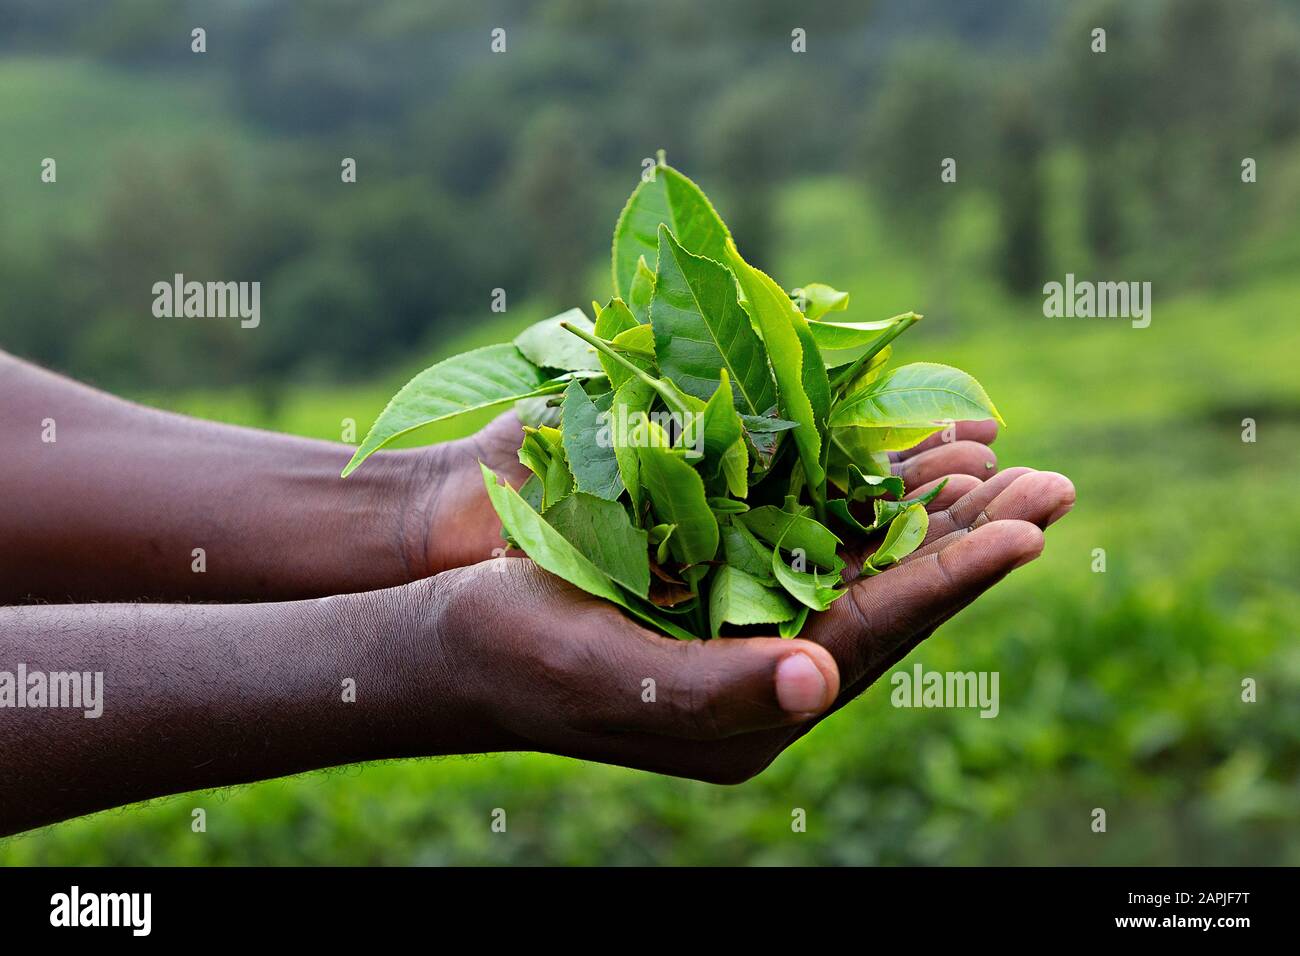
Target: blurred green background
{"type": "Point", "coordinates": [477, 171]}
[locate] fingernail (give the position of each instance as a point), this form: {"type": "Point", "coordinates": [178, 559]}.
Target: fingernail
{"type": "Point", "coordinates": [800, 686]}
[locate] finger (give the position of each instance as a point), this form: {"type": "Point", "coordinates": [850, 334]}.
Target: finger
{"type": "Point", "coordinates": [985, 432]}
{"type": "Point", "coordinates": [708, 690]}
{"type": "Point", "coordinates": [962, 513]}
{"type": "Point", "coordinates": [879, 614]}
{"type": "Point", "coordinates": [1040, 497]}
{"type": "Point", "coordinates": [954, 458]}
{"type": "Point", "coordinates": [955, 488]}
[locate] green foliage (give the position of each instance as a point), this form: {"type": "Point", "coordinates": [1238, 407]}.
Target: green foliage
{"type": "Point", "coordinates": [775, 316]}
{"type": "Point", "coordinates": [476, 380]}
{"type": "Point", "coordinates": [665, 198]}
{"type": "Point", "coordinates": [676, 493]}
{"type": "Point", "coordinates": [905, 534]}
{"type": "Point", "coordinates": [601, 529]}
{"type": "Point", "coordinates": [546, 346]}
{"type": "Point", "coordinates": [552, 551]}
{"type": "Point", "coordinates": [594, 464]}
{"type": "Point", "coordinates": [904, 406]}
{"type": "Point", "coordinates": [738, 598]}
{"type": "Point", "coordinates": [817, 298]}
{"type": "Point", "coordinates": [658, 421]}
{"type": "Point", "coordinates": [701, 329]}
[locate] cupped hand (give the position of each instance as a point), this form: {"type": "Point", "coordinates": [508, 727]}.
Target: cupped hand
{"type": "Point", "coordinates": [550, 668]}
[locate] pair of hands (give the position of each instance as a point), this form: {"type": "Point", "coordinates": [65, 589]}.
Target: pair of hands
{"type": "Point", "coordinates": [551, 668]}
{"type": "Point", "coordinates": [258, 584]}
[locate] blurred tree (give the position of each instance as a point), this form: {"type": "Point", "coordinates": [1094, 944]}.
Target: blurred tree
{"type": "Point", "coordinates": [1020, 145]}
{"type": "Point", "coordinates": [550, 189]}
{"type": "Point", "coordinates": [929, 110]}
{"type": "Point", "coordinates": [1103, 112]}
{"type": "Point", "coordinates": [748, 134]}
{"type": "Point", "coordinates": [1207, 111]}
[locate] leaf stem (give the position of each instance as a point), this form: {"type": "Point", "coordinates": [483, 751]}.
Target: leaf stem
{"type": "Point", "coordinates": [601, 345]}
{"type": "Point", "coordinates": [905, 322]}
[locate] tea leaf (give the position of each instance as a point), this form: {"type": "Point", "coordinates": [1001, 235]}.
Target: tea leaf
{"type": "Point", "coordinates": [727, 506]}
{"type": "Point", "coordinates": [676, 400]}
{"type": "Point", "coordinates": [537, 411]}
{"type": "Point", "coordinates": [531, 492]}
{"type": "Point", "coordinates": [848, 335]}
{"type": "Point", "coordinates": [849, 446]}
{"type": "Point", "coordinates": [551, 551]}
{"type": "Point", "coordinates": [635, 345]}
{"type": "Point", "coordinates": [659, 536]}
{"type": "Point", "coordinates": [916, 396]}
{"type": "Point", "coordinates": [843, 376]}
{"type": "Point", "coordinates": [670, 199]}
{"type": "Point", "coordinates": [775, 525]}
{"type": "Point", "coordinates": [643, 287]}
{"type": "Point", "coordinates": [602, 531]}
{"type": "Point", "coordinates": [877, 440]}
{"type": "Point", "coordinates": [794, 626]}
{"type": "Point", "coordinates": [774, 315]}
{"type": "Point", "coordinates": [814, 590]}
{"type": "Point", "coordinates": [720, 424]}
{"type": "Point", "coordinates": [546, 546]}
{"type": "Point", "coordinates": [816, 383]}
{"type": "Point", "coordinates": [763, 424]}
{"type": "Point", "coordinates": [735, 469]}
{"type": "Point", "coordinates": [701, 329]}
{"type": "Point", "coordinates": [816, 299]}
{"type": "Point", "coordinates": [738, 598]}
{"type": "Point", "coordinates": [887, 511]}
{"type": "Point", "coordinates": [593, 462]}
{"type": "Point", "coordinates": [464, 383]}
{"type": "Point", "coordinates": [862, 486]}
{"type": "Point", "coordinates": [542, 452]}
{"type": "Point", "coordinates": [905, 534]}
{"type": "Point", "coordinates": [632, 399]}
{"type": "Point", "coordinates": [677, 496]}
{"type": "Point", "coordinates": [744, 551]}
{"type": "Point", "coordinates": [614, 317]}
{"type": "Point", "coordinates": [870, 371]}
{"type": "Point", "coordinates": [544, 343]}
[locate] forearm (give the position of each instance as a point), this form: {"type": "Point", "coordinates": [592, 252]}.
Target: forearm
{"type": "Point", "coordinates": [199, 696]}
{"type": "Point", "coordinates": [102, 499]}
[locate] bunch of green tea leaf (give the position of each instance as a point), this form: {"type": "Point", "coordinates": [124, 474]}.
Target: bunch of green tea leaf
{"type": "Point", "coordinates": [696, 449]}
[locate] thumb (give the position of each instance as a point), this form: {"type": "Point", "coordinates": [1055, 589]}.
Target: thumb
{"type": "Point", "coordinates": [706, 690]}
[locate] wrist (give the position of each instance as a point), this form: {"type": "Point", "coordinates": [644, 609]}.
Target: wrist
{"type": "Point", "coordinates": [416, 687]}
